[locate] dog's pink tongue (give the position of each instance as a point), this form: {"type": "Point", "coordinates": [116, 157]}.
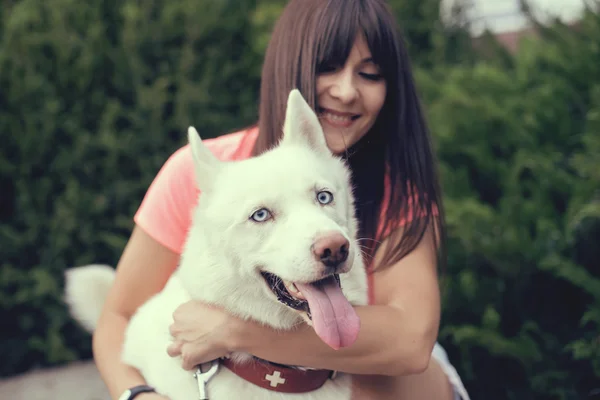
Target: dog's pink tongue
{"type": "Point", "coordinates": [334, 319]}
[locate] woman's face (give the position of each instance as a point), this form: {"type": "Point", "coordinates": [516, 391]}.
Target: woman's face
{"type": "Point", "coordinates": [349, 98]}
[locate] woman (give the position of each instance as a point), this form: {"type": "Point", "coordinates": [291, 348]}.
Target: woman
{"type": "Point", "coordinates": [349, 62]}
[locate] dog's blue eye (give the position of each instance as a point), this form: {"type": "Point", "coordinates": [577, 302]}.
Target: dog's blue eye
{"type": "Point", "coordinates": [261, 215]}
{"type": "Point", "coordinates": [324, 197]}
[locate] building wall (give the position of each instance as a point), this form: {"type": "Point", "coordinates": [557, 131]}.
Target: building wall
{"type": "Point", "coordinates": [505, 19]}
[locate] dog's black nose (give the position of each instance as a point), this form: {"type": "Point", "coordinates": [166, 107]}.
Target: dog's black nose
{"type": "Point", "coordinates": [331, 249]}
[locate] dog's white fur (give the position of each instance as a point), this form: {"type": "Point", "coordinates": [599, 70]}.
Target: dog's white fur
{"type": "Point", "coordinates": [225, 252]}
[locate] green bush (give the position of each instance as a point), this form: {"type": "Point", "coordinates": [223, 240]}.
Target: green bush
{"type": "Point", "coordinates": [520, 159]}
{"type": "Point", "coordinates": [96, 95]}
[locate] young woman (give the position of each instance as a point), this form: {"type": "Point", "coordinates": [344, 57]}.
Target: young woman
{"type": "Point", "coordinates": [349, 62]}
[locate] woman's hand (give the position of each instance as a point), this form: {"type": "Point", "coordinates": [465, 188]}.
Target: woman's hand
{"type": "Point", "coordinates": [201, 333]}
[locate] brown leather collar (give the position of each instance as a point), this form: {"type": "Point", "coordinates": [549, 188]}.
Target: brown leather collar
{"type": "Point", "coordinates": [278, 378]}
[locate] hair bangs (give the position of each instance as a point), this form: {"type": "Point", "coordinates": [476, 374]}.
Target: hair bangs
{"type": "Point", "coordinates": [337, 29]}
{"type": "Point", "coordinates": [380, 37]}
{"type": "Point", "coordinates": [339, 25]}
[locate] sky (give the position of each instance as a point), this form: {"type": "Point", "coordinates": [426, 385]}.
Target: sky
{"type": "Point", "coordinates": [505, 16]}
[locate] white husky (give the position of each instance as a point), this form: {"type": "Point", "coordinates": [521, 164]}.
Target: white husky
{"type": "Point", "coordinates": [272, 239]}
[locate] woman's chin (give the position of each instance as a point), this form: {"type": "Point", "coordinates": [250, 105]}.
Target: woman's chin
{"type": "Point", "coordinates": [339, 144]}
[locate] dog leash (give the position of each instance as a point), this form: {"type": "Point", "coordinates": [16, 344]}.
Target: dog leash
{"type": "Point", "coordinates": [204, 377]}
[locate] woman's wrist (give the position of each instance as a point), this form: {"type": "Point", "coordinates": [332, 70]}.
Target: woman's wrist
{"type": "Point", "coordinates": [248, 334]}
{"type": "Point", "coordinates": [240, 335]}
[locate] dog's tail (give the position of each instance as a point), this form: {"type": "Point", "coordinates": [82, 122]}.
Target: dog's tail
{"type": "Point", "coordinates": [86, 289]}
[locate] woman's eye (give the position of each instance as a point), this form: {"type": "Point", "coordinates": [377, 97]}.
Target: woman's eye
{"type": "Point", "coordinates": [261, 215]}
{"type": "Point", "coordinates": [324, 197]}
{"type": "Point", "coordinates": [371, 77]}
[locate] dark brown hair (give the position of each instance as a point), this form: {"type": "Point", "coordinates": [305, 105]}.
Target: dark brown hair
{"type": "Point", "coordinates": [314, 33]}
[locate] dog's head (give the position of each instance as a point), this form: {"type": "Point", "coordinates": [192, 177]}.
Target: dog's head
{"type": "Point", "coordinates": [283, 223]}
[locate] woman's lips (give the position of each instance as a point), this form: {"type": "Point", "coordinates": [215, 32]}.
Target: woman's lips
{"type": "Point", "coordinates": [338, 119]}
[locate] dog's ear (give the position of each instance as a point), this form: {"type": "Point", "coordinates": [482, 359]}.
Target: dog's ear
{"type": "Point", "coordinates": [302, 125]}
{"type": "Point", "coordinates": [205, 162]}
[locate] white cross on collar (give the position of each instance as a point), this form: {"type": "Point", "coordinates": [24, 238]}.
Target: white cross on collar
{"type": "Point", "coordinates": [275, 379]}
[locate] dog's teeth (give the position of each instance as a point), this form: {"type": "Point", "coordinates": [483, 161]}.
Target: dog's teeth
{"type": "Point", "coordinates": [291, 287]}
{"type": "Point", "coordinates": [293, 290]}
{"type": "Point", "coordinates": [296, 290]}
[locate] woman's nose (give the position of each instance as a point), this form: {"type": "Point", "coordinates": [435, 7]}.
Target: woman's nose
{"type": "Point", "coordinates": [343, 87]}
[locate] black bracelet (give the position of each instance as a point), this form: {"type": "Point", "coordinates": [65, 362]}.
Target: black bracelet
{"type": "Point", "coordinates": [131, 393]}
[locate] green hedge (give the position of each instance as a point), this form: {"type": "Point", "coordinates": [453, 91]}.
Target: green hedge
{"type": "Point", "coordinates": [520, 152]}
{"type": "Point", "coordinates": [94, 97]}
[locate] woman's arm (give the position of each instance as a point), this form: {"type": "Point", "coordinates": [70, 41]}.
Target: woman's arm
{"type": "Point", "coordinates": [396, 338]}
{"type": "Point", "coordinates": [143, 270]}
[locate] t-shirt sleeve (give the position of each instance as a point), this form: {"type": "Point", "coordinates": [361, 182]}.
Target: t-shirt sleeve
{"type": "Point", "coordinates": [166, 210]}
